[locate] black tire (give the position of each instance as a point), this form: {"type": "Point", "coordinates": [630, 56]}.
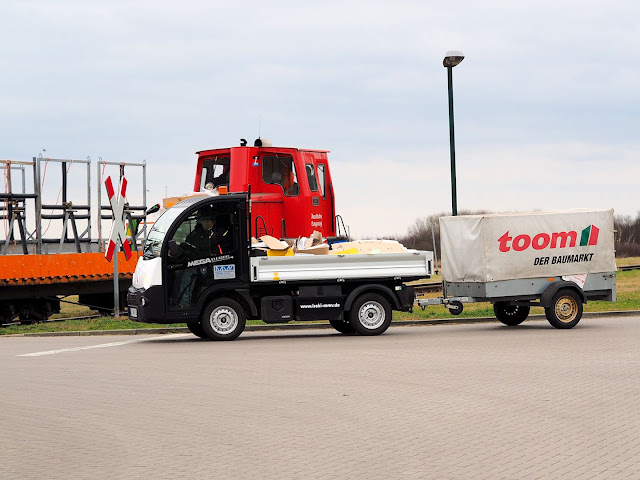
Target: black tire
{"type": "Point", "coordinates": [565, 310]}
{"type": "Point", "coordinates": [511, 315]}
{"type": "Point", "coordinates": [455, 307]}
{"type": "Point", "coordinates": [196, 329]}
{"type": "Point", "coordinates": [370, 314]}
{"type": "Point", "coordinates": [223, 319]}
{"type": "Point", "coordinates": [342, 326]}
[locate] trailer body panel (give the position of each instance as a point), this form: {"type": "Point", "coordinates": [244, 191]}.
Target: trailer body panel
{"type": "Point", "coordinates": [497, 247]}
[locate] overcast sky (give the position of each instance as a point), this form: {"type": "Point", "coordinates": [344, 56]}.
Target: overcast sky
{"type": "Point", "coordinates": [546, 100]}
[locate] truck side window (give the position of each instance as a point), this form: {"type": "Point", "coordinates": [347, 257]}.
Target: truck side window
{"type": "Point", "coordinates": [322, 180]}
{"type": "Point", "coordinates": [281, 171]}
{"type": "Point", "coordinates": [311, 176]}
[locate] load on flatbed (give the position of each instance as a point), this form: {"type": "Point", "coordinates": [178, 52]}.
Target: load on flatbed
{"type": "Point", "coordinates": [556, 260]}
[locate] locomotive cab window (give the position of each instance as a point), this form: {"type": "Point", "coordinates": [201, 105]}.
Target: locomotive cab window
{"type": "Point", "coordinates": [215, 172]}
{"type": "Point", "coordinates": [322, 180]}
{"type": "Point", "coordinates": [311, 176]}
{"type": "Point", "coordinates": [281, 171]}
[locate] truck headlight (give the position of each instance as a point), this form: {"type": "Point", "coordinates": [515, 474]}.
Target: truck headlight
{"type": "Point", "coordinates": [146, 283]}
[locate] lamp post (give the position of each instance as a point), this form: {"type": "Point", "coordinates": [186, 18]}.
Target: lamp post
{"type": "Point", "coordinates": [451, 59]}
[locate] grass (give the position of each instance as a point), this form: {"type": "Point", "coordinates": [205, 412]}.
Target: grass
{"type": "Point", "coordinates": [627, 286]}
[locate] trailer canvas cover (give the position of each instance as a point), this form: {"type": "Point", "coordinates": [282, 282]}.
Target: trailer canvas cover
{"type": "Point", "coordinates": [488, 248]}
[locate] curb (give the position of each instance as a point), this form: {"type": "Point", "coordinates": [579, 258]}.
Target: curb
{"type": "Point", "coordinates": [308, 326]}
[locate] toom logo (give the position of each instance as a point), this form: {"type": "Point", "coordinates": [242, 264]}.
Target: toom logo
{"type": "Point", "coordinates": [588, 237]}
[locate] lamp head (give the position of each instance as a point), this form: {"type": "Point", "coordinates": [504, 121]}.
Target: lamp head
{"type": "Point", "coordinates": [451, 59]}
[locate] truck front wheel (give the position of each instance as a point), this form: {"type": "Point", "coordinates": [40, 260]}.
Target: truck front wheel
{"type": "Point", "coordinates": [223, 319]}
{"type": "Point", "coordinates": [511, 315]}
{"type": "Point", "coordinates": [565, 310]}
{"type": "Point", "coordinates": [370, 314]}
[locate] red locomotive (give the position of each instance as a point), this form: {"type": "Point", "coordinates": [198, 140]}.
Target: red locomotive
{"type": "Point", "coordinates": [291, 188]}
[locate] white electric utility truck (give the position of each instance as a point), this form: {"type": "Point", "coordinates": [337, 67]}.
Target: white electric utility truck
{"type": "Point", "coordinates": [198, 267]}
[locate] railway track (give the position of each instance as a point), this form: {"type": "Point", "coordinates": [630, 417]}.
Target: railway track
{"type": "Point", "coordinates": [629, 267]}
{"type": "Point", "coordinates": [51, 320]}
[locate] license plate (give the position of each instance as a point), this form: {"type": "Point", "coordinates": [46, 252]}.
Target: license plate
{"type": "Point", "coordinates": [133, 312]}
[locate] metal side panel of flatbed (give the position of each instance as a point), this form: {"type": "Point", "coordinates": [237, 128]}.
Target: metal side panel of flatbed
{"type": "Point", "coordinates": [408, 265]}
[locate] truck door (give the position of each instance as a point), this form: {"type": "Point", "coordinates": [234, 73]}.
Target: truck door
{"type": "Point", "coordinates": [202, 253]}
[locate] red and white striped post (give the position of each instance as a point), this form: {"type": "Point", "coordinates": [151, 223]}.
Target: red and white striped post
{"type": "Point", "coordinates": [118, 236]}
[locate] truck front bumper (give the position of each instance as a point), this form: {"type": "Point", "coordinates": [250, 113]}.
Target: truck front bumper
{"type": "Point", "coordinates": [145, 305]}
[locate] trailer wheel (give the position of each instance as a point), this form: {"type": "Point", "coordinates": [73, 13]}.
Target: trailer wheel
{"type": "Point", "coordinates": [342, 326]}
{"type": "Point", "coordinates": [455, 307]}
{"type": "Point", "coordinates": [565, 310]}
{"type": "Point", "coordinates": [223, 319]}
{"type": "Point", "coordinates": [511, 315]}
{"type": "Point", "coordinates": [370, 314]}
{"type": "Point", "coordinates": [196, 329]}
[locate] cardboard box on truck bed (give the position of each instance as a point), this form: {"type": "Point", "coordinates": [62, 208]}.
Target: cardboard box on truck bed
{"type": "Point", "coordinates": [488, 248]}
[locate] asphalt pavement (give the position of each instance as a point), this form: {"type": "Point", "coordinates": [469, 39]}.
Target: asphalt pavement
{"type": "Point", "coordinates": [480, 401]}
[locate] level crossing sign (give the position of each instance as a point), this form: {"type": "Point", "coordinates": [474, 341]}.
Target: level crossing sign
{"type": "Point", "coordinates": [118, 233]}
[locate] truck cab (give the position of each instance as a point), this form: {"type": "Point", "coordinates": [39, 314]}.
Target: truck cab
{"type": "Point", "coordinates": [291, 188]}
{"type": "Point", "coordinates": [195, 247]}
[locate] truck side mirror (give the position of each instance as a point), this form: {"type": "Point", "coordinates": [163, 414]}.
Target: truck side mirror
{"type": "Point", "coordinates": [152, 209]}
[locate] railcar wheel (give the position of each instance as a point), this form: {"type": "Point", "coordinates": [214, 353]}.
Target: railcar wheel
{"type": "Point", "coordinates": [223, 319]}
{"type": "Point", "coordinates": [370, 314]}
{"type": "Point", "coordinates": [565, 310]}
{"type": "Point", "coordinates": [511, 315]}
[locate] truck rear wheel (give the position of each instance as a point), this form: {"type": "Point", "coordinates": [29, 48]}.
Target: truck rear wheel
{"type": "Point", "coordinates": [565, 310]}
{"type": "Point", "coordinates": [223, 319]}
{"type": "Point", "coordinates": [342, 326]}
{"type": "Point", "coordinates": [196, 329]}
{"type": "Point", "coordinates": [370, 314]}
{"type": "Point", "coordinates": [511, 315]}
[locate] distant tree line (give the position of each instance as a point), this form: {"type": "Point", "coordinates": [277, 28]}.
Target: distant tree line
{"type": "Point", "coordinates": [627, 233]}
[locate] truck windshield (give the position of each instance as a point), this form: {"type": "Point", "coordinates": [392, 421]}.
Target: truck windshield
{"type": "Point", "coordinates": [153, 244]}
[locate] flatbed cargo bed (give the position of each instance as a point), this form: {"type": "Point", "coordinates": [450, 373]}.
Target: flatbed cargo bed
{"type": "Point", "coordinates": [411, 265]}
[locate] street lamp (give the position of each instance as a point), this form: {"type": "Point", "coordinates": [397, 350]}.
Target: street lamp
{"type": "Point", "coordinates": [451, 59]}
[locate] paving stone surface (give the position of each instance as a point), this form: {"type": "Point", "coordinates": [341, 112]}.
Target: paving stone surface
{"type": "Point", "coordinates": [443, 402]}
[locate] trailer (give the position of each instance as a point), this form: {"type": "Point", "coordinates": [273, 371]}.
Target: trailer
{"type": "Point", "coordinates": [199, 267]}
{"type": "Point", "coordinates": [556, 260]}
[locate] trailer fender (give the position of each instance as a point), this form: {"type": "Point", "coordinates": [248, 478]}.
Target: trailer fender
{"type": "Point", "coordinates": [386, 291]}
{"type": "Point", "coordinates": [552, 289]}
